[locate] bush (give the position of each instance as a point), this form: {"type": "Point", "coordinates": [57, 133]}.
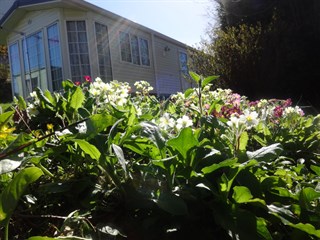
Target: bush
{"type": "Point", "coordinates": [95, 162]}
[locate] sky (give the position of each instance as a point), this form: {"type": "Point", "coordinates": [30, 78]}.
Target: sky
{"type": "Point", "coordinates": [183, 20]}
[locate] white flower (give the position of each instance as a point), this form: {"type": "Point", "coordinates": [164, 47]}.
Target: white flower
{"type": "Point", "coordinates": [64, 132]}
{"type": "Point", "coordinates": [82, 127]}
{"type": "Point", "coordinates": [166, 122]}
{"type": "Point", "coordinates": [33, 94]}
{"type": "Point", "coordinates": [32, 110]}
{"type": "Point", "coordinates": [184, 122]}
{"type": "Point", "coordinates": [234, 122]}
{"type": "Point", "coordinates": [249, 118]}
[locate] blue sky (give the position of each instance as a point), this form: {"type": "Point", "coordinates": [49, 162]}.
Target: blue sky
{"type": "Point", "coordinates": [183, 20]}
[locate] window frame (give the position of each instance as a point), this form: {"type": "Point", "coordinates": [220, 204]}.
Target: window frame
{"type": "Point", "coordinates": [132, 54]}
{"type": "Point", "coordinates": [78, 53]}
{"type": "Point", "coordinates": [50, 57]}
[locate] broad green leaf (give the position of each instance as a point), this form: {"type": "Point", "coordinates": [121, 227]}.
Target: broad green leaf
{"type": "Point", "coordinates": [41, 238]}
{"type": "Point", "coordinates": [22, 103]}
{"type": "Point", "coordinates": [162, 162]}
{"type": "Point", "coordinates": [152, 132]}
{"type": "Point", "coordinates": [23, 139]}
{"type": "Point", "coordinates": [241, 194]}
{"type": "Point", "coordinates": [243, 141]}
{"type": "Point", "coordinates": [195, 76]}
{"type": "Point", "coordinates": [5, 117]}
{"type": "Point", "coordinates": [262, 229]}
{"type": "Point", "coordinates": [316, 169]}
{"type": "Point", "coordinates": [216, 166]}
{"type": "Point", "coordinates": [7, 165]}
{"type": "Point", "coordinates": [77, 99]}
{"type": "Point", "coordinates": [88, 148]}
{"type": "Point", "coordinates": [49, 96]}
{"type": "Point", "coordinates": [266, 154]}
{"type": "Point", "coordinates": [308, 228]}
{"type": "Point", "coordinates": [120, 156]}
{"type": "Point", "coordinates": [209, 79]}
{"type": "Point", "coordinates": [144, 147]}
{"type": "Point", "coordinates": [188, 92]}
{"type": "Point", "coordinates": [307, 195]}
{"type": "Point", "coordinates": [172, 204]}
{"type": "Point", "coordinates": [98, 123]}
{"type": "Point", "coordinates": [184, 142]}
{"type": "Point", "coordinates": [14, 190]}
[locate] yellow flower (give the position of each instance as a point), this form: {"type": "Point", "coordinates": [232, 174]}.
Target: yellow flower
{"type": "Point", "coordinates": [5, 131]}
{"type": "Point", "coordinates": [49, 126]}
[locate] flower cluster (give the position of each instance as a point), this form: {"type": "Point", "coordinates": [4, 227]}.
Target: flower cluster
{"type": "Point", "coordinates": [169, 124]}
{"type": "Point", "coordinates": [113, 92]}
{"type": "Point", "coordinates": [143, 87]}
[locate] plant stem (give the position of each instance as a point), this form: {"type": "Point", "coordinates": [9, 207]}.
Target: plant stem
{"type": "Point", "coordinates": [6, 230]}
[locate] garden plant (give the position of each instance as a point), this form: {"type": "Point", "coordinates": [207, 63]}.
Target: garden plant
{"type": "Point", "coordinates": [99, 162]}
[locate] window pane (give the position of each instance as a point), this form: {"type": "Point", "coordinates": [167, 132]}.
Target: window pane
{"type": "Point", "coordinates": [144, 48]}
{"type": "Point", "coordinates": [183, 63]}
{"type": "Point", "coordinates": [33, 52]}
{"type": "Point", "coordinates": [14, 59]}
{"type": "Point", "coordinates": [135, 50]}
{"type": "Point", "coordinates": [71, 26]}
{"type": "Point", "coordinates": [55, 57]}
{"type": "Point", "coordinates": [125, 47]}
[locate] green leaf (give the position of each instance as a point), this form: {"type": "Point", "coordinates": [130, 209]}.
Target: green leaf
{"type": "Point", "coordinates": [307, 195]}
{"type": "Point", "coordinates": [241, 194]}
{"type": "Point", "coordinates": [77, 99]}
{"type": "Point", "coordinates": [172, 204]}
{"type": "Point", "coordinates": [188, 92]}
{"type": "Point", "coordinates": [41, 238]}
{"type": "Point", "coordinates": [98, 123]}
{"type": "Point", "coordinates": [243, 141]}
{"type": "Point", "coordinates": [262, 229]}
{"type": "Point", "coordinates": [120, 156]}
{"type": "Point", "coordinates": [152, 132]}
{"type": "Point", "coordinates": [144, 147]}
{"type": "Point", "coordinates": [216, 166]}
{"type": "Point", "coordinates": [209, 79]}
{"type": "Point", "coordinates": [316, 169]}
{"type": "Point", "coordinates": [184, 142]}
{"type": "Point", "coordinates": [7, 165]}
{"type": "Point", "coordinates": [5, 117]}
{"type": "Point", "coordinates": [195, 76]}
{"type": "Point", "coordinates": [15, 189]}
{"type": "Point", "coordinates": [307, 227]}
{"type": "Point", "coordinates": [88, 148]}
{"type": "Point", "coordinates": [266, 154]}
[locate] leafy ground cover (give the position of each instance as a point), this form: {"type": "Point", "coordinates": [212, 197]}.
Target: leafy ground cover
{"type": "Point", "coordinates": [96, 162]}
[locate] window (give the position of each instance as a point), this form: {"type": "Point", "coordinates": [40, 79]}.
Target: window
{"type": "Point", "coordinates": [103, 50]}
{"type": "Point", "coordinates": [15, 68]}
{"type": "Point", "coordinates": [78, 50]}
{"type": "Point", "coordinates": [55, 57]}
{"type": "Point", "coordinates": [125, 47]}
{"type": "Point", "coordinates": [134, 49]}
{"type": "Point", "coordinates": [34, 61]}
{"type": "Point", "coordinates": [183, 58]}
{"type": "Point", "coordinates": [33, 52]}
{"type": "Point", "coordinates": [144, 49]}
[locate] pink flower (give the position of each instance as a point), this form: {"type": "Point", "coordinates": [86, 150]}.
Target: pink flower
{"type": "Point", "coordinates": [87, 78]}
{"type": "Point", "coordinates": [278, 111]}
{"type": "Point", "coordinates": [77, 83]}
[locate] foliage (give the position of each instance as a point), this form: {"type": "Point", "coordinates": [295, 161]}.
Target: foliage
{"type": "Point", "coordinates": [95, 162]}
{"type": "Point", "coordinates": [264, 49]}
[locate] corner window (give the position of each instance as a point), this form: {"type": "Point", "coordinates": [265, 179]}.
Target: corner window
{"type": "Point", "coordinates": [55, 56]}
{"type": "Point", "coordinates": [134, 49]}
{"type": "Point", "coordinates": [78, 50]}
